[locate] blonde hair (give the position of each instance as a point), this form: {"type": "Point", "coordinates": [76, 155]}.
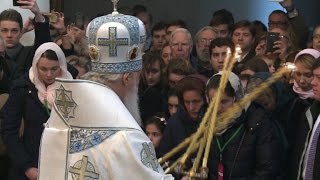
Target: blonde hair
{"type": "Point", "coordinates": [306, 59]}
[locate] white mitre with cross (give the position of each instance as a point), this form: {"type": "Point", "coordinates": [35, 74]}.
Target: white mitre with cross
{"type": "Point", "coordinates": [116, 43]}
{"type": "Point", "coordinates": [90, 133]}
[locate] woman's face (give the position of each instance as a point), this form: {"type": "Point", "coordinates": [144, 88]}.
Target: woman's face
{"type": "Point", "coordinates": [316, 39]}
{"type": "Point", "coordinates": [153, 74]}
{"type": "Point", "coordinates": [48, 70]}
{"type": "Point", "coordinates": [303, 76]}
{"type": "Point", "coordinates": [193, 101]}
{"type": "Point", "coordinates": [173, 103]}
{"type": "Point", "coordinates": [225, 102]}
{"type": "Point", "coordinates": [154, 134]}
{"type": "Point", "coordinates": [174, 79]}
{"type": "Point", "coordinates": [166, 54]}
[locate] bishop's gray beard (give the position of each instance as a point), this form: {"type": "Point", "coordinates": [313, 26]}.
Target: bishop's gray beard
{"type": "Point", "coordinates": [131, 102]}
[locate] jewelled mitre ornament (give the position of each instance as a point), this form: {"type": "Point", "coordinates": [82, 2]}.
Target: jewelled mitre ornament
{"type": "Point", "coordinates": [115, 43]}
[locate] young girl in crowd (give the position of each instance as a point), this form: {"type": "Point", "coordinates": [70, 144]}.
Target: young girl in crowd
{"type": "Point", "coordinates": [173, 102]}
{"type": "Point", "coordinates": [154, 129]}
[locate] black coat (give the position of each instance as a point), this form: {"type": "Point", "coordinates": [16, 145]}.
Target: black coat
{"type": "Point", "coordinates": [254, 153]}
{"type": "Point", "coordinates": [297, 128]}
{"type": "Point", "coordinates": [239, 66]}
{"type": "Point", "coordinates": [151, 101]}
{"type": "Point", "coordinates": [300, 137]}
{"type": "Point", "coordinates": [315, 112]}
{"type": "Point", "coordinates": [25, 55]}
{"type": "Point", "coordinates": [23, 103]}
{"type": "Point", "coordinates": [179, 127]}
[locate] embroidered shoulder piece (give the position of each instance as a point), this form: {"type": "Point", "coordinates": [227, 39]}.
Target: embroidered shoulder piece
{"type": "Point", "coordinates": [148, 156]}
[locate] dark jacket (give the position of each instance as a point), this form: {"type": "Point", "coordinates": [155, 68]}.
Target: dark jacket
{"type": "Point", "coordinates": [300, 30]}
{"type": "Point", "coordinates": [296, 112]}
{"type": "Point", "coordinates": [254, 153]}
{"type": "Point", "coordinates": [8, 67]}
{"type": "Point", "coordinates": [151, 100]}
{"type": "Point", "coordinates": [200, 69]}
{"type": "Point", "coordinates": [239, 66]}
{"type": "Point", "coordinates": [315, 112]}
{"type": "Point", "coordinates": [299, 136]}
{"type": "Point", "coordinates": [25, 56]}
{"type": "Point", "coordinates": [23, 103]}
{"type": "Point", "coordinates": [297, 128]}
{"type": "Point", "coordinates": [179, 127]}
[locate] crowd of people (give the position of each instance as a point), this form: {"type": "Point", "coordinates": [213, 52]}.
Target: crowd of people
{"type": "Point", "coordinates": [272, 138]}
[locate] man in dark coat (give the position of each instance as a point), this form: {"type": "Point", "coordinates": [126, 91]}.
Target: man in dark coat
{"type": "Point", "coordinates": [19, 57]}
{"type": "Point", "coordinates": [244, 34]}
{"type": "Point", "coordinates": [310, 169]}
{"type": "Point", "coordinates": [16, 59]}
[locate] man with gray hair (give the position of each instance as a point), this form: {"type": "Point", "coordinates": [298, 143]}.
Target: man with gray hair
{"type": "Point", "coordinates": [181, 44]}
{"type": "Point", "coordinates": [93, 131]}
{"type": "Point", "coordinates": [202, 40]}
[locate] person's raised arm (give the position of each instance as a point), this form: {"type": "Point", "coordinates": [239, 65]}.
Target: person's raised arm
{"type": "Point", "coordinates": [299, 26]}
{"type": "Point", "coordinates": [34, 8]}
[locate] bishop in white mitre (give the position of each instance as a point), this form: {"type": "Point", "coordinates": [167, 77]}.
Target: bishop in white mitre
{"type": "Point", "coordinates": [92, 132]}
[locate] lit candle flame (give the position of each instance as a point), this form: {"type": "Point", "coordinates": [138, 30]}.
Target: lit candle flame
{"type": "Point", "coordinates": [290, 66]}
{"type": "Point", "coordinates": [238, 53]}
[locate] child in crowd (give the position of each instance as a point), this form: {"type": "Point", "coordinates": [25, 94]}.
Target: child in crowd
{"type": "Point", "coordinates": [173, 102]}
{"type": "Point", "coordinates": [154, 129]}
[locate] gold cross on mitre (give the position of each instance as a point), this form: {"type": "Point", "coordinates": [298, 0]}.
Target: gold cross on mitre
{"type": "Point", "coordinates": [115, 2]}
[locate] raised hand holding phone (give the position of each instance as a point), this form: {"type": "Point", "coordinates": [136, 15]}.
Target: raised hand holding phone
{"type": "Point", "coordinates": [272, 37]}
{"type": "Point", "coordinates": [15, 3]}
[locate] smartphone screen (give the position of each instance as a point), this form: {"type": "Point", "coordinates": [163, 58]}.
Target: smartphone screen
{"type": "Point", "coordinates": [15, 3]}
{"type": "Point", "coordinates": [271, 38]}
